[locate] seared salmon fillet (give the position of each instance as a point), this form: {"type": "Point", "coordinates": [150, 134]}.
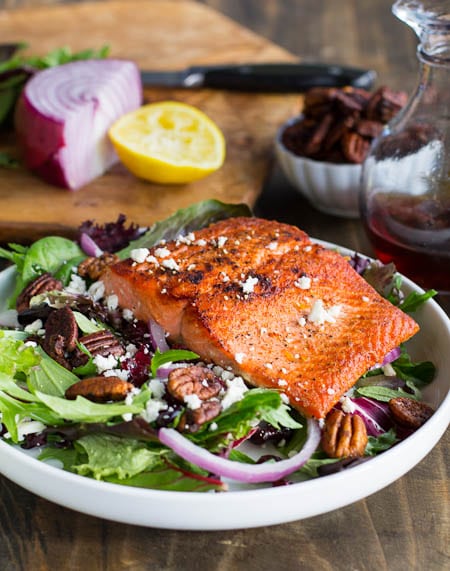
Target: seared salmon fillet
{"type": "Point", "coordinates": [258, 296]}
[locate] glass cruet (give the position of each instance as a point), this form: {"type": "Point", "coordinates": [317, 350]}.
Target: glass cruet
{"type": "Point", "coordinates": [405, 195]}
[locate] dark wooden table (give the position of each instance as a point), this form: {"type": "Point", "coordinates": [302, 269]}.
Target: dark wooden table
{"type": "Point", "coordinates": [403, 527]}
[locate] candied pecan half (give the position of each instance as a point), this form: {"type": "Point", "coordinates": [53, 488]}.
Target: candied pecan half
{"type": "Point", "coordinates": [61, 334]}
{"type": "Point", "coordinates": [45, 282]}
{"type": "Point", "coordinates": [94, 267]}
{"type": "Point", "coordinates": [409, 412]}
{"type": "Point", "coordinates": [354, 147]}
{"type": "Point", "coordinates": [192, 419]}
{"type": "Point", "coordinates": [195, 379]}
{"type": "Point", "coordinates": [98, 343]}
{"type": "Point", "coordinates": [368, 128]}
{"type": "Point", "coordinates": [319, 134]}
{"type": "Point", "coordinates": [344, 435]}
{"type": "Point", "coordinates": [100, 389]}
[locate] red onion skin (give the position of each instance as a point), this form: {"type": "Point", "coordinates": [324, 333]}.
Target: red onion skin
{"type": "Point", "coordinates": [70, 147]}
{"type": "Point", "coordinates": [249, 473]}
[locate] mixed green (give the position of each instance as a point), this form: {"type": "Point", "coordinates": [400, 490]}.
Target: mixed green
{"type": "Point", "coordinates": [118, 441]}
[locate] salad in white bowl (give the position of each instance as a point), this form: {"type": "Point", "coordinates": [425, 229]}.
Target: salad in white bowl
{"type": "Point", "coordinates": [59, 330]}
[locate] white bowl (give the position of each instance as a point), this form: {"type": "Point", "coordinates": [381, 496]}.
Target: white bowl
{"type": "Point", "coordinates": [329, 187]}
{"type": "Point", "coordinates": [242, 508]}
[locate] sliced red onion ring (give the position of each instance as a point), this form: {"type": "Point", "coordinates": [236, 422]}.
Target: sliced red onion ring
{"type": "Point", "coordinates": [158, 336]}
{"type": "Point", "coordinates": [391, 356]}
{"type": "Point", "coordinates": [64, 114]}
{"type": "Point", "coordinates": [89, 247]}
{"type": "Point", "coordinates": [248, 473]}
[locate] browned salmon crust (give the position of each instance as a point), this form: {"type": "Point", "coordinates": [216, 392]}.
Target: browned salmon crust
{"type": "Point", "coordinates": [259, 297]}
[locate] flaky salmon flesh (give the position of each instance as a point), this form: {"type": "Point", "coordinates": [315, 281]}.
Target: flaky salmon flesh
{"type": "Point", "coordinates": [259, 297]}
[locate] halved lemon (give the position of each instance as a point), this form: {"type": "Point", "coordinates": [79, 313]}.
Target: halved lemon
{"type": "Point", "coordinates": [168, 142]}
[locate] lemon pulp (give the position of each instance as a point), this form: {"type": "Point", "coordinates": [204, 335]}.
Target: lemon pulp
{"type": "Point", "coordinates": [168, 142]}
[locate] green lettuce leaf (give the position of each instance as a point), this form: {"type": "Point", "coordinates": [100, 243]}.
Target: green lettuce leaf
{"type": "Point", "coordinates": [109, 455]}
{"type": "Point", "coordinates": [50, 377]}
{"type": "Point", "coordinates": [15, 356]}
{"type": "Point", "coordinates": [83, 410]}
{"type": "Point", "coordinates": [171, 356]}
{"type": "Point", "coordinates": [236, 421]}
{"type": "Point", "coordinates": [377, 444]}
{"type": "Point", "coordinates": [184, 221]}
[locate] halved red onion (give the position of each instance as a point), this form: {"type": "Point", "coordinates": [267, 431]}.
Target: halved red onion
{"type": "Point", "coordinates": [248, 473]}
{"type": "Point", "coordinates": [63, 117]}
{"type": "Point", "coordinates": [158, 336]}
{"type": "Point", "coordinates": [89, 247]}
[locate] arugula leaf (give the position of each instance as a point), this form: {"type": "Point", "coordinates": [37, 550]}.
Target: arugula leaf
{"type": "Point", "coordinates": [50, 377]}
{"type": "Point", "coordinates": [414, 300]}
{"type": "Point", "coordinates": [184, 221]}
{"type": "Point", "coordinates": [378, 444]}
{"type": "Point", "coordinates": [14, 411]}
{"type": "Point", "coordinates": [170, 356]}
{"type": "Point", "coordinates": [236, 421]}
{"type": "Point", "coordinates": [383, 394]}
{"type": "Point", "coordinates": [83, 410]}
{"type": "Point", "coordinates": [419, 373]}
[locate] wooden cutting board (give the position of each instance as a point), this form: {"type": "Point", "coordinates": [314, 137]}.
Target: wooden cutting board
{"type": "Point", "coordinates": [157, 34]}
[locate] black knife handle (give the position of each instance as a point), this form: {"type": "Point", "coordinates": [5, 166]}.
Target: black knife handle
{"type": "Point", "coordinates": [280, 77]}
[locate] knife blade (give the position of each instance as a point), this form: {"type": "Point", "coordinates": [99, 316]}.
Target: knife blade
{"type": "Point", "coordinates": [262, 77]}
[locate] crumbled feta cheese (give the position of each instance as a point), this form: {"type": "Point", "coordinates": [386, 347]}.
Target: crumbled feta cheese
{"type": "Point", "coordinates": [122, 374]}
{"type": "Point", "coordinates": [96, 291]}
{"type": "Point", "coordinates": [263, 330]}
{"type": "Point", "coordinates": [307, 248]}
{"type": "Point", "coordinates": [104, 363]}
{"type": "Point", "coordinates": [201, 242]}
{"type": "Point", "coordinates": [320, 315]}
{"type": "Point", "coordinates": [331, 391]}
{"type": "Point", "coordinates": [152, 409]}
{"type": "Point", "coordinates": [282, 382]}
{"type": "Point", "coordinates": [34, 327]}
{"type": "Point", "coordinates": [170, 264]}
{"type": "Point", "coordinates": [139, 255]}
{"type": "Point", "coordinates": [221, 241]}
{"type": "Point", "coordinates": [157, 388]}
{"type": "Point", "coordinates": [162, 252]}
{"type": "Point", "coordinates": [365, 298]}
{"type": "Point", "coordinates": [130, 396]}
{"type": "Point", "coordinates": [273, 245]}
{"type": "Point", "coordinates": [236, 389]}
{"type": "Point", "coordinates": [213, 426]}
{"type": "Point", "coordinates": [76, 285]}
{"type": "Point", "coordinates": [191, 267]}
{"type": "Point", "coordinates": [128, 315]}
{"type": "Point", "coordinates": [347, 405]}
{"type": "Point", "coordinates": [192, 401]}
{"type": "Point", "coordinates": [152, 260]}
{"type": "Point", "coordinates": [303, 283]}
{"type": "Point", "coordinates": [249, 284]}
{"type": "Point", "coordinates": [239, 357]}
{"type": "Point", "coordinates": [27, 426]}
{"type": "Point", "coordinates": [268, 365]}
{"type": "Point", "coordinates": [302, 321]}
{"type": "Point", "coordinates": [112, 302]}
